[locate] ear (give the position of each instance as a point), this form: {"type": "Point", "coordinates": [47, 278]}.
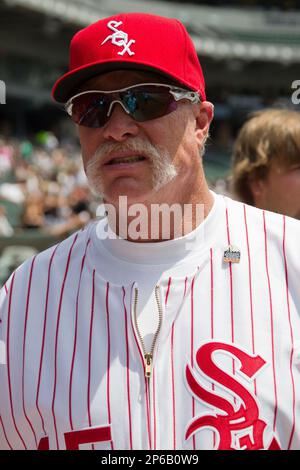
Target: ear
{"type": "Point", "coordinates": [258, 189]}
{"type": "Point", "coordinates": [204, 116]}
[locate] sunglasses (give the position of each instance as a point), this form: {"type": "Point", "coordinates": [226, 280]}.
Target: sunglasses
{"type": "Point", "coordinates": [142, 102]}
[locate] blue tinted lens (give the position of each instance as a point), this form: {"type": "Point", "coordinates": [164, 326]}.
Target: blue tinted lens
{"type": "Point", "coordinates": [130, 101]}
{"type": "Point", "coordinates": [146, 104]}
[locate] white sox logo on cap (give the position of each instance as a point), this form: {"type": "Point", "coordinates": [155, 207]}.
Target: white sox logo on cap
{"type": "Point", "coordinates": [119, 38]}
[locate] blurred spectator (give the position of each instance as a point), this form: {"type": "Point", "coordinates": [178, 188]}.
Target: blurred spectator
{"type": "Point", "coordinates": [46, 183]}
{"type": "Point", "coordinates": [66, 214]}
{"type": "Point", "coordinates": [47, 140]}
{"type": "Point", "coordinates": [266, 162]}
{"type": "Point", "coordinates": [53, 213]}
{"type": "Point", "coordinates": [26, 149]}
{"type": "Point", "coordinates": [6, 229]}
{"type": "Point", "coordinates": [13, 192]}
{"type": "Point", "coordinates": [11, 258]}
{"type": "Point", "coordinates": [221, 186]}
{"type": "Point", "coordinates": [6, 157]}
{"type": "Point", "coordinates": [33, 216]}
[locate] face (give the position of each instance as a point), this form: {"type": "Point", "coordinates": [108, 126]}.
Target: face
{"type": "Point", "coordinates": [166, 162]}
{"type": "Point", "coordinates": [280, 191]}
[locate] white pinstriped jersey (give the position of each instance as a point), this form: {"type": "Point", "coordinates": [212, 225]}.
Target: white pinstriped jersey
{"type": "Point", "coordinates": [226, 363]}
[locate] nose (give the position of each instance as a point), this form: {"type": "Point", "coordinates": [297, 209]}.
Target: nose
{"type": "Point", "coordinates": [120, 125]}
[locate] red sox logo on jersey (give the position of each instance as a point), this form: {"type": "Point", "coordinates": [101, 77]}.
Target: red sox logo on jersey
{"type": "Point", "coordinates": [237, 427]}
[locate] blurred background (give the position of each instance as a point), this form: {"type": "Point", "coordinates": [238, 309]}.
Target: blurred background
{"type": "Point", "coordinates": [250, 53]}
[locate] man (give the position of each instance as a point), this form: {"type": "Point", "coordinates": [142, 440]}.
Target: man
{"type": "Point", "coordinates": [125, 336]}
{"type": "Point", "coordinates": [266, 162]}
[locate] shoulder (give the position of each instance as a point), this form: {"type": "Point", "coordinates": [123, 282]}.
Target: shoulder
{"type": "Point", "coordinates": [274, 225]}
{"type": "Point", "coordinates": [60, 254]}
{"type": "Point", "coordinates": [273, 235]}
{"type": "Point", "coordinates": [33, 275]}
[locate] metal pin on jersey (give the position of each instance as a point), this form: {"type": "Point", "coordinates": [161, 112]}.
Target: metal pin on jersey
{"type": "Point", "coordinates": [232, 255]}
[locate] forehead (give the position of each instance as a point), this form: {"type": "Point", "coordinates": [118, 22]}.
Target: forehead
{"type": "Point", "coordinates": [120, 79]}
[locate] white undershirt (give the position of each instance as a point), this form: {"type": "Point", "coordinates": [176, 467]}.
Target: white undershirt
{"type": "Point", "coordinates": [124, 262]}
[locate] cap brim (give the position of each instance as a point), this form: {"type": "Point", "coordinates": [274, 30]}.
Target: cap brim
{"type": "Point", "coordinates": [67, 85]}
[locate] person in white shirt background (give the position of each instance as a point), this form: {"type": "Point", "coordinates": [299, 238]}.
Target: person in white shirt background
{"type": "Point", "coordinates": [118, 339]}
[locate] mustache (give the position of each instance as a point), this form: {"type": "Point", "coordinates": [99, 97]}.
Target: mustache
{"type": "Point", "coordinates": [163, 170]}
{"type": "Point", "coordinates": [137, 145]}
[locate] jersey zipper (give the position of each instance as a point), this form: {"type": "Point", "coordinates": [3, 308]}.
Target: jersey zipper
{"type": "Point", "coordinates": [148, 356]}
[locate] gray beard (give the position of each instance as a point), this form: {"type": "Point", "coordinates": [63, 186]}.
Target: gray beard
{"type": "Point", "coordinates": [163, 170]}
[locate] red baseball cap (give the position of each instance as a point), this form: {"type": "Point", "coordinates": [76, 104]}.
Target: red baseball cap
{"type": "Point", "coordinates": [137, 41]}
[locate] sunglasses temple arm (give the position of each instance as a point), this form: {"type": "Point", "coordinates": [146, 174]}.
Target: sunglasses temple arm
{"type": "Point", "coordinates": [188, 95]}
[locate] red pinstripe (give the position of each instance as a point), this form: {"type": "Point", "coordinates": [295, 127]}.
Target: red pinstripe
{"type": "Point", "coordinates": [231, 292]}
{"type": "Point", "coordinates": [211, 294]}
{"type": "Point", "coordinates": [148, 413]}
{"type": "Point", "coordinates": [75, 337]}
{"type": "Point", "coordinates": [8, 359]}
{"type": "Point", "coordinates": [291, 330]}
{"type": "Point", "coordinates": [154, 410]}
{"type": "Point", "coordinates": [173, 388]}
{"type": "Point", "coordinates": [56, 338]}
{"type": "Point", "coordinates": [192, 350]}
{"type": "Point", "coordinates": [271, 319]}
{"type": "Point", "coordinates": [5, 289]}
{"type": "Point", "coordinates": [212, 313]}
{"type": "Point", "coordinates": [127, 371]}
{"type": "Point", "coordinates": [172, 374]}
{"type": "Point", "coordinates": [6, 438]}
{"type": "Point", "coordinates": [136, 340]}
{"type": "Point", "coordinates": [231, 284]}
{"type": "Point", "coordinates": [153, 382]}
{"type": "Point", "coordinates": [108, 359]}
{"type": "Point", "coordinates": [24, 347]}
{"type": "Point", "coordinates": [90, 354]}
{"type": "Point", "coordinates": [250, 290]}
{"type": "Point", "coordinates": [43, 341]}
{"type": "Point", "coordinates": [168, 290]}
{"type": "Point", "coordinates": [146, 382]}
{"type": "Point", "coordinates": [90, 351]}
